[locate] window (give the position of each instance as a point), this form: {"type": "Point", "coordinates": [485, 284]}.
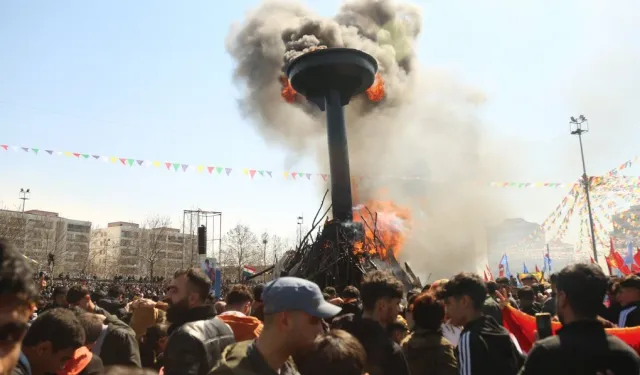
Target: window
{"type": "Point", "coordinates": [78, 228]}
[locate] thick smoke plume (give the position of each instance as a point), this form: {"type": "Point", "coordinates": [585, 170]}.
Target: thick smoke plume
{"type": "Point", "coordinates": [425, 128]}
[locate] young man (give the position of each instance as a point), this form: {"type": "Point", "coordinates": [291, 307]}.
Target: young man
{"type": "Point", "coordinates": [629, 298]}
{"type": "Point", "coordinates": [18, 295]}
{"type": "Point", "coordinates": [581, 346]}
{"type": "Point", "coordinates": [485, 347]}
{"type": "Point", "coordinates": [335, 353]}
{"type": "Point", "coordinates": [50, 342]}
{"type": "Point", "coordinates": [381, 294]}
{"type": "Point", "coordinates": [239, 302]}
{"type": "Point", "coordinates": [293, 313]}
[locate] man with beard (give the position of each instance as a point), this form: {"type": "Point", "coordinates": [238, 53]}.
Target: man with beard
{"type": "Point", "coordinates": [381, 293]}
{"type": "Point", "coordinates": [293, 313]}
{"type": "Point", "coordinates": [581, 346]}
{"type": "Point", "coordinates": [196, 337]}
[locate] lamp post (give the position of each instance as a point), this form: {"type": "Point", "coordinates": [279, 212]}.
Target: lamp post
{"type": "Point", "coordinates": [578, 126]}
{"type": "Point", "coordinates": [299, 222]}
{"type": "Point", "coordinates": [265, 239]}
{"type": "Point", "coordinates": [24, 196]}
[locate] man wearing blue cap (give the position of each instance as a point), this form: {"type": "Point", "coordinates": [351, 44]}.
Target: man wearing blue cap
{"type": "Point", "coordinates": [293, 313]}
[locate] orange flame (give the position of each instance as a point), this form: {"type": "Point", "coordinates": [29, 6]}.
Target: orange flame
{"type": "Point", "coordinates": [390, 223]}
{"type": "Point", "coordinates": [287, 92]}
{"type": "Point", "coordinates": [375, 93]}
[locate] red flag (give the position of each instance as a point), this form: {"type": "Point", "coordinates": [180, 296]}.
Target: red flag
{"type": "Point", "coordinates": [615, 256]}
{"type": "Point", "coordinates": [489, 271]}
{"type": "Point", "coordinates": [500, 270]}
{"type": "Point", "coordinates": [537, 269]}
{"type": "Point", "coordinates": [485, 276]}
{"type": "Point", "coordinates": [636, 257]}
{"type": "Point", "coordinates": [610, 266]}
{"type": "Point", "coordinates": [592, 260]}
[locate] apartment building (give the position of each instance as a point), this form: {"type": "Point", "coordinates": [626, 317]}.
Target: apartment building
{"type": "Point", "coordinates": [55, 244]}
{"type": "Point", "coordinates": [128, 249]}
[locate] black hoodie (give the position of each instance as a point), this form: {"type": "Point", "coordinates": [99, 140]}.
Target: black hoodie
{"type": "Point", "coordinates": [485, 348]}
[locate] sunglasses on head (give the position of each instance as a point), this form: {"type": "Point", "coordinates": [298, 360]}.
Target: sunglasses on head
{"type": "Point", "coordinates": [12, 333]}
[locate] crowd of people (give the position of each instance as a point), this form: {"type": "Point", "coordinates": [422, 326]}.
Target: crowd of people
{"type": "Point", "coordinates": [290, 326]}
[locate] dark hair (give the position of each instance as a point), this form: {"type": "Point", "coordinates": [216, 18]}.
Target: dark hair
{"type": "Point", "coordinates": [60, 291]}
{"type": "Point", "coordinates": [377, 285]}
{"type": "Point", "coordinates": [466, 284]}
{"type": "Point", "coordinates": [326, 296]}
{"type": "Point", "coordinates": [76, 293]}
{"type": "Point", "coordinates": [492, 286]}
{"type": "Point", "coordinates": [427, 311]}
{"type": "Point", "coordinates": [126, 370]}
{"type": "Point", "coordinates": [526, 293]}
{"type": "Point", "coordinates": [116, 291]}
{"type": "Point", "coordinates": [350, 291]}
{"type": "Point", "coordinates": [239, 294]}
{"type": "Point", "coordinates": [335, 353]}
{"type": "Point", "coordinates": [91, 324]}
{"type": "Point", "coordinates": [585, 286]}
{"type": "Point", "coordinates": [197, 279]}
{"type": "Point", "coordinates": [397, 325]}
{"type": "Point", "coordinates": [59, 326]}
{"type": "Point", "coordinates": [426, 287]}
{"type": "Point", "coordinates": [16, 275]}
{"type": "Point", "coordinates": [502, 281]}
{"type": "Point", "coordinates": [331, 291]}
{"type": "Point", "coordinates": [630, 281]}
{"type": "Point", "coordinates": [553, 278]}
{"type": "Point", "coordinates": [257, 292]}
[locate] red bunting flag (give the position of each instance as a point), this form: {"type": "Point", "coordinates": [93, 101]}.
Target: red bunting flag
{"type": "Point", "coordinates": [123, 161]}
{"type": "Point", "coordinates": [252, 172]}
{"type": "Point", "coordinates": [210, 169]}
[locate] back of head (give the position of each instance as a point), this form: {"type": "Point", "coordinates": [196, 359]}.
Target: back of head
{"type": "Point", "coordinates": [427, 312]}
{"type": "Point", "coordinates": [116, 291]}
{"type": "Point", "coordinates": [492, 287]}
{"type": "Point", "coordinates": [466, 284]}
{"type": "Point", "coordinates": [257, 292]}
{"type": "Point", "coordinates": [331, 291]}
{"type": "Point", "coordinates": [239, 295]}
{"type": "Point", "coordinates": [526, 294]}
{"type": "Point", "coordinates": [335, 353]}
{"type": "Point", "coordinates": [16, 276]}
{"type": "Point", "coordinates": [77, 293]}
{"type": "Point", "coordinates": [377, 285]}
{"type": "Point", "coordinates": [350, 292]}
{"type": "Point", "coordinates": [58, 326]}
{"type": "Point", "coordinates": [91, 323]}
{"type": "Point", "coordinates": [197, 280]}
{"type": "Point", "coordinates": [584, 287]}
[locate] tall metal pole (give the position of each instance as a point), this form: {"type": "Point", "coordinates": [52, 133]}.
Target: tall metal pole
{"type": "Point", "coordinates": [585, 180]}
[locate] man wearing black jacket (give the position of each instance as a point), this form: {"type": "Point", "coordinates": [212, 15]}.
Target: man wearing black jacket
{"type": "Point", "coordinates": [381, 293]}
{"type": "Point", "coordinates": [629, 297]}
{"type": "Point", "coordinates": [485, 347]}
{"type": "Point", "coordinates": [581, 346]}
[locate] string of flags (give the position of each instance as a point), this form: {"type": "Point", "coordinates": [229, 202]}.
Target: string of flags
{"type": "Point", "coordinates": [287, 175]}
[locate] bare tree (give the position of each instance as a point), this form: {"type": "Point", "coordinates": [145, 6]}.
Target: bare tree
{"type": "Point", "coordinates": [54, 242]}
{"type": "Point", "coordinates": [152, 241]}
{"type": "Point", "coordinates": [278, 246]}
{"type": "Point", "coordinates": [90, 265]}
{"type": "Point", "coordinates": [12, 228]}
{"type": "Point", "coordinates": [241, 248]}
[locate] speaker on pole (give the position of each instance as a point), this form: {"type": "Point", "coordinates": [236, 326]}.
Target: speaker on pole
{"type": "Point", "coordinates": [202, 240]}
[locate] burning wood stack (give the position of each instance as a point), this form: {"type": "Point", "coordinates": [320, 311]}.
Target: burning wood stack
{"type": "Point", "coordinates": [344, 249]}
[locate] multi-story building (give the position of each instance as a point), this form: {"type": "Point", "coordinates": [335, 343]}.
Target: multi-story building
{"type": "Point", "coordinates": [55, 244]}
{"type": "Point", "coordinates": [127, 249]}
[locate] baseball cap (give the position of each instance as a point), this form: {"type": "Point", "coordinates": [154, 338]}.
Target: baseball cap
{"type": "Point", "coordinates": [295, 294]}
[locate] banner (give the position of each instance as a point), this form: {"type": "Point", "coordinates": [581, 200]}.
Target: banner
{"type": "Point", "coordinates": [254, 173]}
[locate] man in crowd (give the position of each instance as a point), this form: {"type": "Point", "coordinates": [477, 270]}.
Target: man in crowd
{"type": "Point", "coordinates": [335, 353]}
{"type": "Point", "coordinates": [484, 347]}
{"type": "Point", "coordinates": [50, 342]}
{"type": "Point", "coordinates": [18, 294]}
{"type": "Point", "coordinates": [239, 302]}
{"type": "Point", "coordinates": [196, 337]}
{"type": "Point", "coordinates": [59, 297]}
{"type": "Point", "coordinates": [491, 307]}
{"type": "Point", "coordinates": [117, 344]}
{"type": "Point", "coordinates": [549, 305]}
{"type": "Point", "coordinates": [581, 346]}
{"type": "Point", "coordinates": [293, 313]}
{"type": "Point", "coordinates": [527, 298]}
{"type": "Point", "coordinates": [504, 287]}
{"type": "Point", "coordinates": [257, 308]}
{"type": "Point", "coordinates": [83, 361]}
{"type": "Point", "coordinates": [629, 298]}
{"type": "Point", "coordinates": [113, 303]}
{"type": "Point", "coordinates": [381, 294]}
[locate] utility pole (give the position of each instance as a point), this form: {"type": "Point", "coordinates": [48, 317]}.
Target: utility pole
{"type": "Point", "coordinates": [299, 222]}
{"type": "Point", "coordinates": [265, 239]}
{"type": "Point", "coordinates": [24, 196]}
{"type": "Point", "coordinates": [577, 129]}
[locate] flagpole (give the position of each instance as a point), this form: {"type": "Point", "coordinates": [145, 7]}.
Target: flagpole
{"type": "Point", "coordinates": [548, 259]}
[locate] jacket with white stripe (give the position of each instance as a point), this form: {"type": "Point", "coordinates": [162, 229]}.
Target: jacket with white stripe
{"type": "Point", "coordinates": [629, 316]}
{"type": "Point", "coordinates": [485, 348]}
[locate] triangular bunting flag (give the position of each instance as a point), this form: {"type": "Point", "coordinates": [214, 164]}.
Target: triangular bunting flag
{"type": "Point", "coordinates": [96, 157]}
{"type": "Point", "coordinates": [67, 153]}
{"type": "Point", "coordinates": [140, 162]}
{"type": "Point", "coordinates": [86, 156]}
{"type": "Point", "coordinates": [25, 149]}
{"type": "Point", "coordinates": [184, 167]}
{"type": "Point", "coordinates": [5, 147]}
{"type": "Point", "coordinates": [293, 175]}
{"type": "Point", "coordinates": [308, 176]}
{"type": "Point", "coordinates": [252, 172]}
{"type": "Point", "coordinates": [113, 159]}
{"type": "Point", "coordinates": [168, 165]}
{"type": "Point", "coordinates": [77, 155]}
{"type": "Point", "coordinates": [286, 175]}
{"type": "Point", "coordinates": [210, 169]}
{"type": "Point", "coordinates": [15, 148]}
{"type": "Point", "coordinates": [176, 166]}
{"type": "Point", "coordinates": [130, 162]}
{"type": "Point", "coordinates": [219, 170]}
{"type": "Point", "coordinates": [261, 173]}
{"type": "Point", "coordinates": [269, 173]}
{"type": "Point", "coordinates": [50, 152]}
{"type": "Point", "coordinates": [35, 150]}
{"type": "Point", "coordinates": [157, 164]}
{"type": "Point", "coordinates": [123, 161]}
{"type": "Point", "coordinates": [324, 176]}
{"type": "Point", "coordinates": [246, 172]}
{"type": "Point", "coordinates": [200, 168]}
{"type": "Point", "coordinates": [227, 170]}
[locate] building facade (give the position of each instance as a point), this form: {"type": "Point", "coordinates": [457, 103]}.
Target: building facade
{"type": "Point", "coordinates": [55, 244]}
{"type": "Point", "coordinates": [127, 249]}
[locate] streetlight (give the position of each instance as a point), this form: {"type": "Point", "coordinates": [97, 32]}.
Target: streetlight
{"type": "Point", "coordinates": [24, 196]}
{"type": "Point", "coordinates": [299, 222]}
{"type": "Point", "coordinates": [265, 239]}
{"type": "Point", "coordinates": [577, 128]}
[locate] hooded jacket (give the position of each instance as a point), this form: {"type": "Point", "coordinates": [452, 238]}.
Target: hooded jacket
{"type": "Point", "coordinates": [120, 346]}
{"type": "Point", "coordinates": [244, 327]}
{"type": "Point", "coordinates": [485, 348]}
{"type": "Point", "coordinates": [243, 358]}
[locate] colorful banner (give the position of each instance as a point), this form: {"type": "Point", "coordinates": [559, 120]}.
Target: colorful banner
{"type": "Point", "coordinates": [287, 175]}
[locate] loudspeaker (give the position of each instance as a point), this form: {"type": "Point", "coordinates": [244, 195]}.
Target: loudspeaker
{"type": "Point", "coordinates": [202, 240]}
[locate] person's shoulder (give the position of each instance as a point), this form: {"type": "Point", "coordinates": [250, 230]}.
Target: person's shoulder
{"type": "Point", "coordinates": [616, 344]}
